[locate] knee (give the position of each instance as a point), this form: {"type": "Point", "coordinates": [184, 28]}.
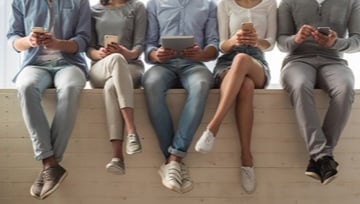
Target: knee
{"type": "Point", "coordinates": [240, 61]}
{"type": "Point", "coordinates": [344, 90]}
{"type": "Point", "coordinates": [27, 89]}
{"type": "Point", "coordinates": [109, 88]}
{"type": "Point", "coordinates": [152, 83]}
{"type": "Point", "coordinates": [117, 58]}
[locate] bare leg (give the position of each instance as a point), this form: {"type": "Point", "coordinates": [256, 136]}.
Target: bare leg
{"type": "Point", "coordinates": [117, 149]}
{"type": "Point", "coordinates": [244, 119]}
{"type": "Point", "coordinates": [243, 66]}
{"type": "Point", "coordinates": [49, 162]}
{"type": "Point", "coordinates": [128, 116]}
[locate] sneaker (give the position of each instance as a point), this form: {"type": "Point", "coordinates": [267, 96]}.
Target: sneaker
{"type": "Point", "coordinates": [312, 170]}
{"type": "Point", "coordinates": [327, 168]}
{"type": "Point", "coordinates": [187, 184]}
{"type": "Point", "coordinates": [116, 166]}
{"type": "Point", "coordinates": [36, 187]}
{"type": "Point", "coordinates": [206, 142]}
{"type": "Point", "coordinates": [171, 176]}
{"type": "Point", "coordinates": [248, 180]}
{"type": "Point", "coordinates": [133, 144]}
{"type": "Point", "coordinates": [53, 176]}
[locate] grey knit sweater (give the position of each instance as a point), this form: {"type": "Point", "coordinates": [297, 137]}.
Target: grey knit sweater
{"type": "Point", "coordinates": [342, 16]}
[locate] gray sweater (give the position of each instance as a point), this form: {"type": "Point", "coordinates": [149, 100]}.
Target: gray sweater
{"type": "Point", "coordinates": [342, 16]}
{"type": "Point", "coordinates": [127, 22]}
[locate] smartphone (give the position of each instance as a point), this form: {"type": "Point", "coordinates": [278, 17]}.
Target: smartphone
{"type": "Point", "coordinates": [108, 39]}
{"type": "Point", "coordinates": [38, 30]}
{"type": "Point", "coordinates": [247, 26]}
{"type": "Point", "coordinates": [323, 30]}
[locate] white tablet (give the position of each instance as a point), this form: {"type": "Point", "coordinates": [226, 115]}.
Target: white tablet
{"type": "Point", "coordinates": [177, 43]}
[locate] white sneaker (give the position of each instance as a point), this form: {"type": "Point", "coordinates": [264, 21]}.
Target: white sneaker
{"type": "Point", "coordinates": [171, 176]}
{"type": "Point", "coordinates": [133, 144]}
{"type": "Point", "coordinates": [116, 166]}
{"type": "Point", "coordinates": [187, 183]}
{"type": "Point", "coordinates": [248, 180]}
{"type": "Point", "coordinates": [206, 142]}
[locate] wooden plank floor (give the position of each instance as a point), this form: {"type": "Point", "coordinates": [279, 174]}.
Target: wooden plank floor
{"type": "Point", "coordinates": [278, 150]}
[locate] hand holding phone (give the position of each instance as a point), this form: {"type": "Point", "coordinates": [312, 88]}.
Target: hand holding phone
{"type": "Point", "coordinates": [323, 30]}
{"type": "Point", "coordinates": [248, 27]}
{"type": "Point", "coordinates": [108, 39]}
{"type": "Point", "coordinates": [38, 30]}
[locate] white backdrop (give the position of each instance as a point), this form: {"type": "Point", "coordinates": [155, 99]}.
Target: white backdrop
{"type": "Point", "coordinates": [9, 60]}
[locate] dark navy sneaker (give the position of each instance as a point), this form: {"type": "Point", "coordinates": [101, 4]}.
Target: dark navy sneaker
{"type": "Point", "coordinates": [327, 168]}
{"type": "Point", "coordinates": [312, 170]}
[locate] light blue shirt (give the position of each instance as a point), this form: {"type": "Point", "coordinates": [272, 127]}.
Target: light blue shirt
{"type": "Point", "coordinates": [181, 17]}
{"type": "Point", "coordinates": [72, 21]}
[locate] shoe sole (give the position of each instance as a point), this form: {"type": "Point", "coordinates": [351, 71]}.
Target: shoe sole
{"type": "Point", "coordinates": [187, 189]}
{"type": "Point", "coordinates": [178, 190]}
{"type": "Point", "coordinates": [313, 175]}
{"type": "Point", "coordinates": [34, 195]}
{"type": "Point", "coordinates": [329, 180]}
{"type": "Point", "coordinates": [115, 170]}
{"type": "Point", "coordinates": [55, 187]}
{"type": "Point", "coordinates": [201, 150]}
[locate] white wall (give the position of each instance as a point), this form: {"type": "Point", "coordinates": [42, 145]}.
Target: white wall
{"type": "Point", "coordinates": [9, 60]}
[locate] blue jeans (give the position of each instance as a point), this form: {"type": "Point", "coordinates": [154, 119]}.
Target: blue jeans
{"type": "Point", "coordinates": [197, 80]}
{"type": "Point", "coordinates": [32, 81]}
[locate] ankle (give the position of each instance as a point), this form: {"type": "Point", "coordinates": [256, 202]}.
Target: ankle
{"type": "Point", "coordinates": [49, 162]}
{"type": "Point", "coordinates": [174, 158]}
{"type": "Point", "coordinates": [246, 160]}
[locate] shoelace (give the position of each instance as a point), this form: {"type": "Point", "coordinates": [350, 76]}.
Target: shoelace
{"type": "Point", "coordinates": [132, 138]}
{"type": "Point", "coordinates": [248, 174]}
{"type": "Point", "coordinates": [208, 138]}
{"type": "Point", "coordinates": [174, 174]}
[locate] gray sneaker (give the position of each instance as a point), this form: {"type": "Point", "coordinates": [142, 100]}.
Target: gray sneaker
{"type": "Point", "coordinates": [186, 183]}
{"type": "Point", "coordinates": [116, 166]}
{"type": "Point", "coordinates": [171, 176]}
{"type": "Point", "coordinates": [133, 144]}
{"type": "Point", "coordinates": [36, 187]}
{"type": "Point", "coordinates": [53, 177]}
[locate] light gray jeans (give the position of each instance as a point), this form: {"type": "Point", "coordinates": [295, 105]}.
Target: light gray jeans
{"type": "Point", "coordinates": [118, 78]}
{"type": "Point", "coordinates": [299, 77]}
{"type": "Point", "coordinates": [32, 81]}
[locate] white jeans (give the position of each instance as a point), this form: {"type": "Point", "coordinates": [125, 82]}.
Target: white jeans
{"type": "Point", "coordinates": [118, 78]}
{"type": "Point", "coordinates": [32, 81]}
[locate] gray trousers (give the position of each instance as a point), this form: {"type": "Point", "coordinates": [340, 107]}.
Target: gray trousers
{"type": "Point", "coordinates": [299, 77]}
{"type": "Point", "coordinates": [31, 83]}
{"type": "Point", "coordinates": [118, 78]}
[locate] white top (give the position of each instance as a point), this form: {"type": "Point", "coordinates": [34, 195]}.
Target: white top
{"type": "Point", "coordinates": [263, 16]}
{"type": "Point", "coordinates": [320, 1]}
{"type": "Point", "coordinates": [49, 55]}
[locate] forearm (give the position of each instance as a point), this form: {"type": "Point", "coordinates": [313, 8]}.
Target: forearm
{"type": "Point", "coordinates": [22, 44]}
{"type": "Point", "coordinates": [68, 46]}
{"type": "Point", "coordinates": [262, 44]}
{"type": "Point", "coordinates": [92, 53]}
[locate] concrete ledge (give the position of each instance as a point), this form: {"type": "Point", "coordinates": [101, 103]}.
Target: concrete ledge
{"type": "Point", "coordinates": [279, 153]}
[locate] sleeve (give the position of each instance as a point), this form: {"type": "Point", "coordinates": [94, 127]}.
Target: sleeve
{"type": "Point", "coordinates": [286, 28]}
{"type": "Point", "coordinates": [211, 31]}
{"type": "Point", "coordinates": [223, 22]}
{"type": "Point", "coordinates": [83, 27]}
{"type": "Point", "coordinates": [140, 27]}
{"type": "Point", "coordinates": [272, 26]}
{"type": "Point", "coordinates": [352, 43]}
{"type": "Point", "coordinates": [16, 24]}
{"type": "Point", "coordinates": [152, 34]}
